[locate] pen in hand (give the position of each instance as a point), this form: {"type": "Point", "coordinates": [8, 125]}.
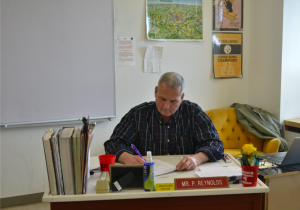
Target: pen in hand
{"type": "Point", "coordinates": [137, 152]}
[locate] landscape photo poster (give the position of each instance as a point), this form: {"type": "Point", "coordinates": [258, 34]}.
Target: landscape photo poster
{"type": "Point", "coordinates": [174, 20]}
{"type": "Point", "coordinates": [228, 15]}
{"type": "Point", "coordinates": [227, 55]}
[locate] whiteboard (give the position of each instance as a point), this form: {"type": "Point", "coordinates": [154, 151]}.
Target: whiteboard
{"type": "Point", "coordinates": [57, 60]}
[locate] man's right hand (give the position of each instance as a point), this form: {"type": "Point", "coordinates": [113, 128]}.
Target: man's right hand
{"type": "Point", "coordinates": [127, 158]}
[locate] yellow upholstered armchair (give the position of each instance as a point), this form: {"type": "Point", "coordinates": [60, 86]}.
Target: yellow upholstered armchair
{"type": "Point", "coordinates": [233, 134]}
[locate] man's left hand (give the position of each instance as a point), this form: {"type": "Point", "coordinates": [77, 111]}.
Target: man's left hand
{"type": "Point", "coordinates": [191, 162]}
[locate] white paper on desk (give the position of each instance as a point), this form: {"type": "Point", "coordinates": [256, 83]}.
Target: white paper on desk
{"type": "Point", "coordinates": [220, 171]}
{"type": "Point", "coordinates": [153, 59]}
{"type": "Point", "coordinates": [162, 167]}
{"type": "Point", "coordinates": [218, 163]}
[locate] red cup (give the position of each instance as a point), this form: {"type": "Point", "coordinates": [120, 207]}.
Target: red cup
{"type": "Point", "coordinates": [105, 161]}
{"type": "Point", "coordinates": [249, 175]}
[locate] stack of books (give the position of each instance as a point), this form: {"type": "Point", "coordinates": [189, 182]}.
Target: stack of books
{"type": "Point", "coordinates": [67, 157]}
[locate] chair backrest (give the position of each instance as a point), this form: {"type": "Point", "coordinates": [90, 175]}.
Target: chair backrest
{"type": "Point", "coordinates": [232, 133]}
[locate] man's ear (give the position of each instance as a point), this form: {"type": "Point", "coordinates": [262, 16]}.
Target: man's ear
{"type": "Point", "coordinates": [156, 90]}
{"type": "Point", "coordinates": [182, 96]}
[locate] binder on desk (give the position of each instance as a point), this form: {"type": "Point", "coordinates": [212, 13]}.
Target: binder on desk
{"type": "Point", "coordinates": [57, 162]}
{"type": "Point", "coordinates": [84, 153]}
{"type": "Point", "coordinates": [66, 160]}
{"type": "Point", "coordinates": [77, 159]}
{"type": "Point", "coordinates": [85, 160]}
{"type": "Point", "coordinates": [49, 160]}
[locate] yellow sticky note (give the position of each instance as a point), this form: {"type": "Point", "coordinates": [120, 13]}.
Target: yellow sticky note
{"type": "Point", "coordinates": [165, 187]}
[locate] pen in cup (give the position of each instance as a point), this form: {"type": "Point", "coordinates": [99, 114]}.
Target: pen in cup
{"type": "Point", "coordinates": [137, 152]}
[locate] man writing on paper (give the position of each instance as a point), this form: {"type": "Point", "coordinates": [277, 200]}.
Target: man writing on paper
{"type": "Point", "coordinates": [168, 126]}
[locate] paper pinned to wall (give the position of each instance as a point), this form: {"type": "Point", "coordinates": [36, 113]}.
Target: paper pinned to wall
{"type": "Point", "coordinates": [125, 51]}
{"type": "Point", "coordinates": [153, 59]}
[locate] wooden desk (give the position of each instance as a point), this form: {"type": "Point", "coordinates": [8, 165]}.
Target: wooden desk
{"type": "Point", "coordinates": [234, 197]}
{"type": "Point", "coordinates": [284, 189]}
{"type": "Point", "coordinates": [294, 123]}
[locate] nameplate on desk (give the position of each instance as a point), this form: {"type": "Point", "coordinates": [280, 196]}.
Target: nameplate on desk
{"type": "Point", "coordinates": [201, 183]}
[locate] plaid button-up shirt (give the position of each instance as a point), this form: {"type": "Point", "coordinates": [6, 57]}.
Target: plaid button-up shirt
{"type": "Point", "coordinates": [190, 131]}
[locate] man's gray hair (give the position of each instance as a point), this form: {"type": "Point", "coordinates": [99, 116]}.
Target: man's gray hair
{"type": "Point", "coordinates": [172, 80]}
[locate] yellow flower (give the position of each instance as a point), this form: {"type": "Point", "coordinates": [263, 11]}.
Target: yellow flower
{"type": "Point", "coordinates": [248, 149]}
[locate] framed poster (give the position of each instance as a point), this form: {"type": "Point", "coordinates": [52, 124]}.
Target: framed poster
{"type": "Point", "coordinates": [227, 55]}
{"type": "Point", "coordinates": [174, 20]}
{"type": "Point", "coordinates": [228, 15]}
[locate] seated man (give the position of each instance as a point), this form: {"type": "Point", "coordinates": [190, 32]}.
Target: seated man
{"type": "Point", "coordinates": [168, 126]}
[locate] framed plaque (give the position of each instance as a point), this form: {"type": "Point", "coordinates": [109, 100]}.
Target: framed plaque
{"type": "Point", "coordinates": [228, 15]}
{"type": "Point", "coordinates": [227, 55]}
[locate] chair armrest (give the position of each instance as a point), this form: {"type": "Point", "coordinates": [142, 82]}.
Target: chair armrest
{"type": "Point", "coordinates": [271, 145]}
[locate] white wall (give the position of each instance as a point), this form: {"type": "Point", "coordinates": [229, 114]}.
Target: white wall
{"type": "Point", "coordinates": [290, 78]}
{"type": "Point", "coordinates": [191, 59]}
{"type": "Point", "coordinates": [23, 168]}
{"type": "Point", "coordinates": [265, 54]}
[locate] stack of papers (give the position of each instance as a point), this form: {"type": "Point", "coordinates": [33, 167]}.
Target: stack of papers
{"type": "Point", "coordinates": [212, 164]}
{"type": "Point", "coordinates": [220, 171]}
{"type": "Point", "coordinates": [219, 168]}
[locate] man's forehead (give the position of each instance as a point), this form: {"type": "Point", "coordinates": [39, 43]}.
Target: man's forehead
{"type": "Point", "coordinates": [169, 93]}
{"type": "Point", "coordinates": [165, 86]}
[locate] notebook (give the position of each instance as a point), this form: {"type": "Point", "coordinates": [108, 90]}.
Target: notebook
{"type": "Point", "coordinates": [49, 160]}
{"type": "Point", "coordinates": [291, 157]}
{"type": "Point", "coordinates": [65, 141]}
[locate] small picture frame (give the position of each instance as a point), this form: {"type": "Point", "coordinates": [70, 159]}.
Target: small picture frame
{"type": "Point", "coordinates": [117, 172]}
{"type": "Point", "coordinates": [227, 15]}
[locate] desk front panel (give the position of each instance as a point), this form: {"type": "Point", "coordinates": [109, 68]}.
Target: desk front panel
{"type": "Point", "coordinates": [215, 202]}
